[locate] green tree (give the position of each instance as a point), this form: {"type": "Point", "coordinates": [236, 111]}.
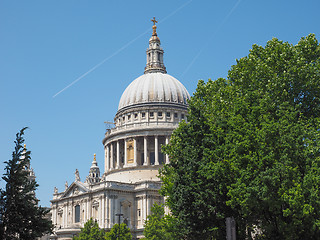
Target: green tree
{"type": "Point", "coordinates": [20, 216]}
{"type": "Point", "coordinates": [251, 148]}
{"type": "Point", "coordinates": [159, 226]}
{"type": "Point", "coordinates": [91, 231]}
{"type": "Point", "coordinates": [119, 234]}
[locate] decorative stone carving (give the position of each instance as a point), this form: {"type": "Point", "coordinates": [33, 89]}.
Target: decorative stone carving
{"type": "Point", "coordinates": [60, 211]}
{"type": "Point", "coordinates": [95, 204]}
{"type": "Point", "coordinates": [77, 176]}
{"type": "Point", "coordinates": [76, 191]}
{"type": "Point", "coordinates": [112, 196]}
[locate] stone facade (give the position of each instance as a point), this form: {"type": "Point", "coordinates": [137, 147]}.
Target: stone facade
{"type": "Point", "coordinates": [149, 110]}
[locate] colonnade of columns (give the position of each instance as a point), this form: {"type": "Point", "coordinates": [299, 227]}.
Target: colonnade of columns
{"type": "Point", "coordinates": [135, 151]}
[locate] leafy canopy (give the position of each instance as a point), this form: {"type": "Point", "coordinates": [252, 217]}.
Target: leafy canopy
{"type": "Point", "coordinates": [159, 226]}
{"type": "Point", "coordinates": [20, 217]}
{"type": "Point", "coordinates": [119, 232]}
{"type": "Point", "coordinates": [251, 148]}
{"type": "Point", "coordinates": [91, 231]}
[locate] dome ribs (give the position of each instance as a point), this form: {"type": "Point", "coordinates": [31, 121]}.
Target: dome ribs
{"type": "Point", "coordinates": [154, 87]}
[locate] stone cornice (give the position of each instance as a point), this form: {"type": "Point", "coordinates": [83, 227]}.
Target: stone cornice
{"type": "Point", "coordinates": [141, 131]}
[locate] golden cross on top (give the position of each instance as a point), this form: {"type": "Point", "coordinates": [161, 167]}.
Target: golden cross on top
{"type": "Point", "coordinates": [154, 21]}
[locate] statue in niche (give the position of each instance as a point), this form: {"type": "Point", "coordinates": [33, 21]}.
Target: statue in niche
{"type": "Point", "coordinates": [55, 190]}
{"type": "Point", "coordinates": [66, 185]}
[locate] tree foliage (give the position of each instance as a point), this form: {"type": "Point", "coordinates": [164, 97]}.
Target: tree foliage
{"type": "Point", "coordinates": [91, 231]}
{"type": "Point", "coordinates": [119, 232]}
{"type": "Point", "coordinates": [20, 216]}
{"type": "Point", "coordinates": [159, 226]}
{"type": "Point", "coordinates": [251, 148]}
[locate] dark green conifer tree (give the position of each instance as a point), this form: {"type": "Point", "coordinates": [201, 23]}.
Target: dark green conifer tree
{"type": "Point", "coordinates": [20, 215]}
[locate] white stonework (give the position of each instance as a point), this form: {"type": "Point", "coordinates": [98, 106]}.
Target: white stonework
{"type": "Point", "coordinates": [149, 110]}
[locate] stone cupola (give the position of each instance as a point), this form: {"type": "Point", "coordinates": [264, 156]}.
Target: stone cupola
{"type": "Point", "coordinates": [94, 173]}
{"type": "Point", "coordinates": [154, 53]}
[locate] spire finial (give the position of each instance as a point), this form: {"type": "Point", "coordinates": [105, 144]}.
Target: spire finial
{"type": "Point", "coordinates": [25, 146]}
{"type": "Point", "coordinates": [154, 21]}
{"type": "Point", "coordinates": [94, 157]}
{"type": "Point", "coordinates": [154, 27]}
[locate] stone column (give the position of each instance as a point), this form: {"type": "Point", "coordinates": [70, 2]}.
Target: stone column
{"type": "Point", "coordinates": [103, 211]}
{"type": "Point", "coordinates": [125, 153]}
{"type": "Point", "coordinates": [87, 214]}
{"type": "Point", "coordinates": [111, 157]}
{"type": "Point", "coordinates": [149, 205]}
{"type": "Point", "coordinates": [118, 155]}
{"type": "Point", "coordinates": [107, 161]}
{"type": "Point", "coordinates": [112, 210]}
{"type": "Point", "coordinates": [67, 215]}
{"type": "Point", "coordinates": [64, 215]}
{"type": "Point", "coordinates": [83, 211]}
{"type": "Point", "coordinates": [145, 208]}
{"type": "Point", "coordinates": [145, 145]}
{"type": "Point", "coordinates": [54, 215]}
{"type": "Point", "coordinates": [99, 211]}
{"type": "Point", "coordinates": [135, 152]}
{"type": "Point", "coordinates": [90, 207]}
{"type": "Point", "coordinates": [107, 211]}
{"type": "Point", "coordinates": [167, 156]}
{"type": "Point", "coordinates": [156, 151]}
{"type": "Point", "coordinates": [116, 210]}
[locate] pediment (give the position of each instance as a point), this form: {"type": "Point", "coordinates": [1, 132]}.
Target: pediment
{"type": "Point", "coordinates": [76, 188]}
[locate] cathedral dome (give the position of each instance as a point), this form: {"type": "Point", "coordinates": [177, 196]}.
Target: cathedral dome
{"type": "Point", "coordinates": [155, 88]}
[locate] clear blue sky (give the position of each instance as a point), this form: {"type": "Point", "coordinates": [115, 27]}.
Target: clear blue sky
{"type": "Point", "coordinates": [46, 45]}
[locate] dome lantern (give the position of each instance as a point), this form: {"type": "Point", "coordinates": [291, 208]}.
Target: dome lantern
{"type": "Point", "coordinates": [154, 53]}
{"type": "Point", "coordinates": [155, 86]}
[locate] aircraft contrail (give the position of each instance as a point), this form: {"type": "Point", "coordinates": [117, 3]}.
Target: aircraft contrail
{"type": "Point", "coordinates": [119, 50]}
{"type": "Point", "coordinates": [100, 63]}
{"type": "Point", "coordinates": [210, 39]}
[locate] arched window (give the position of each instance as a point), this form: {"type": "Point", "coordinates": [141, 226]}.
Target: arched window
{"type": "Point", "coordinates": [77, 214]}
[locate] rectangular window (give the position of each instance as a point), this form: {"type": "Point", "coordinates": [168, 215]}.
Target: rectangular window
{"type": "Point", "coordinates": [159, 114]}
{"type": "Point", "coordinates": [168, 114]}
{"type": "Point", "coordinates": [151, 114]}
{"type": "Point", "coordinates": [136, 115]}
{"type": "Point", "coordinates": [182, 116]}
{"type": "Point", "coordinates": [129, 116]}
{"type": "Point", "coordinates": [143, 114]}
{"type": "Point", "coordinates": [77, 214]}
{"type": "Point", "coordinates": [175, 115]}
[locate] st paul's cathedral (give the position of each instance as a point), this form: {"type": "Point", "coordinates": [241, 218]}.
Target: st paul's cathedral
{"type": "Point", "coordinates": [150, 108]}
